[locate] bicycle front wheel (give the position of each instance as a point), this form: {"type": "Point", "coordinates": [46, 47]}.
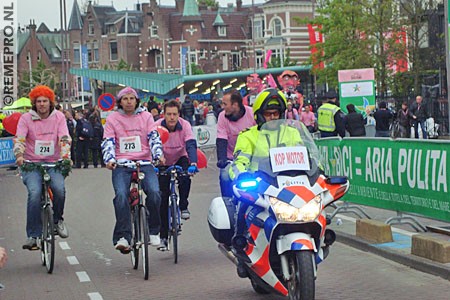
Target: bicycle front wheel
{"type": "Point", "coordinates": [48, 239]}
{"type": "Point", "coordinates": [144, 239]}
{"type": "Point", "coordinates": [174, 228]}
{"type": "Point", "coordinates": [135, 244]}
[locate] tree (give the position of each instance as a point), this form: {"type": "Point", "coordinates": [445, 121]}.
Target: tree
{"type": "Point", "coordinates": [276, 62]}
{"type": "Point", "coordinates": [40, 75]}
{"type": "Point", "coordinates": [346, 45]}
{"type": "Point", "coordinates": [209, 3]}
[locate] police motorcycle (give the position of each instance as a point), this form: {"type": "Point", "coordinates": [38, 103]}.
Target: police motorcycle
{"type": "Point", "coordinates": [284, 196]}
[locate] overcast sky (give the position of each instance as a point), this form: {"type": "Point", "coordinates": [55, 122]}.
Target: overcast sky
{"type": "Point", "coordinates": [47, 11]}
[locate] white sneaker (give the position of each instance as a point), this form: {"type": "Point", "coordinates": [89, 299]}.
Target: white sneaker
{"type": "Point", "coordinates": [123, 246]}
{"type": "Point", "coordinates": [155, 240]}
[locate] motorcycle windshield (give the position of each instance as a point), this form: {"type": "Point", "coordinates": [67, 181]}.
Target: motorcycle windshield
{"type": "Point", "coordinates": [285, 147]}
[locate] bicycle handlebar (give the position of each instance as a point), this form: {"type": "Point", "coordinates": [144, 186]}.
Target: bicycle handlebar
{"type": "Point", "coordinates": [133, 164]}
{"type": "Point", "coordinates": [165, 171]}
{"type": "Point", "coordinates": [43, 164]}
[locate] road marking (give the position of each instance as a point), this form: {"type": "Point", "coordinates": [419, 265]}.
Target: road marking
{"type": "Point", "coordinates": [95, 296]}
{"type": "Point", "coordinates": [73, 260]}
{"type": "Point", "coordinates": [83, 276]}
{"type": "Point", "coordinates": [64, 246]}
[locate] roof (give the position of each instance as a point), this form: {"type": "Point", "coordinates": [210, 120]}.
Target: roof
{"type": "Point", "coordinates": [163, 84]}
{"type": "Point", "coordinates": [43, 28]}
{"type": "Point", "coordinates": [190, 8]}
{"type": "Point", "coordinates": [75, 21]}
{"type": "Point", "coordinates": [218, 21]}
{"type": "Point", "coordinates": [51, 42]}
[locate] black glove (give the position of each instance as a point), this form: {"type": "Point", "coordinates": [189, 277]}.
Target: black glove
{"type": "Point", "coordinates": [222, 164]}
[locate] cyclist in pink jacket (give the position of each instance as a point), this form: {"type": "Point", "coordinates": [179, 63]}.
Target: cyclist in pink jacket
{"type": "Point", "coordinates": [129, 136]}
{"type": "Point", "coordinates": [42, 136]}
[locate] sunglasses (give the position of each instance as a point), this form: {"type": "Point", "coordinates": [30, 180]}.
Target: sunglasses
{"type": "Point", "coordinates": [267, 114]}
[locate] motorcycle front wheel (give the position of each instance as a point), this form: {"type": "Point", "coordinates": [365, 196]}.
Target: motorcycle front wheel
{"type": "Point", "coordinates": [301, 285]}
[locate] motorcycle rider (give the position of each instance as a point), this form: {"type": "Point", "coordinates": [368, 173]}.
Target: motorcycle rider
{"type": "Point", "coordinates": [269, 105]}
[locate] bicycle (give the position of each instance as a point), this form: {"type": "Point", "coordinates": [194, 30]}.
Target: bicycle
{"type": "Point", "coordinates": [47, 240]}
{"type": "Point", "coordinates": [174, 214]}
{"type": "Point", "coordinates": [139, 233]}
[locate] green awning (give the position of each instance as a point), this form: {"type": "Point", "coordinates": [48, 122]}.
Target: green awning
{"type": "Point", "coordinates": [156, 83]}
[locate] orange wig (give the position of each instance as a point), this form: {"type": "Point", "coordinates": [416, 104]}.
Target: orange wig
{"type": "Point", "coordinates": [42, 90]}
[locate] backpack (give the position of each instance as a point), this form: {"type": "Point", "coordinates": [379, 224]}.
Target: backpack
{"type": "Point", "coordinates": [98, 130]}
{"type": "Point", "coordinates": [86, 130]}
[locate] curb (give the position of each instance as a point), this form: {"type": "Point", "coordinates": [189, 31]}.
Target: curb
{"type": "Point", "coordinates": [412, 261]}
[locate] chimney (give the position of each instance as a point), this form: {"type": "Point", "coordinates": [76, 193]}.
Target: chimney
{"type": "Point", "coordinates": [238, 5]}
{"type": "Point", "coordinates": [179, 4]}
{"type": "Point", "coordinates": [138, 6]}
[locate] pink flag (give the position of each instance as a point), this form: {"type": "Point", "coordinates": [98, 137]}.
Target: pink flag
{"type": "Point", "coordinates": [268, 56]}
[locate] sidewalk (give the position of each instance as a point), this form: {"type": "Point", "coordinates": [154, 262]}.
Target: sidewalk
{"type": "Point", "coordinates": [344, 224]}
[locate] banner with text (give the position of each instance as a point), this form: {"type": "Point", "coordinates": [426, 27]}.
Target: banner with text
{"type": "Point", "coordinates": [7, 157]}
{"type": "Point", "coordinates": [401, 175]}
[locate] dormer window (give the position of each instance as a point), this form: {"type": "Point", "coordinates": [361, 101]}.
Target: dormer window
{"type": "Point", "coordinates": [91, 28]}
{"type": "Point", "coordinates": [111, 28]}
{"type": "Point", "coordinates": [222, 30]}
{"type": "Point", "coordinates": [153, 30]}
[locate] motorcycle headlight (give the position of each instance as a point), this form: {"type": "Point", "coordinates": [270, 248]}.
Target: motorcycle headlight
{"type": "Point", "coordinates": [288, 213]}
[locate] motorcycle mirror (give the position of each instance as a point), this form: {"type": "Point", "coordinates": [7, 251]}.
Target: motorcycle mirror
{"type": "Point", "coordinates": [336, 180]}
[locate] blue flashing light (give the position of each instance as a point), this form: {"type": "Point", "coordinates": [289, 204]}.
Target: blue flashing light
{"type": "Point", "coordinates": [247, 184]}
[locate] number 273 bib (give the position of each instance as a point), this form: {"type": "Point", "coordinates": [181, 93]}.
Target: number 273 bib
{"type": "Point", "coordinates": [130, 144]}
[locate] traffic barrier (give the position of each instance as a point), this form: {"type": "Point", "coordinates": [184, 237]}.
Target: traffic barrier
{"type": "Point", "coordinates": [374, 231]}
{"type": "Point", "coordinates": [432, 246]}
{"type": "Point", "coordinates": [403, 175]}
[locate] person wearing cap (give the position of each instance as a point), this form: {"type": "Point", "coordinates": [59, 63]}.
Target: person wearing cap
{"type": "Point", "coordinates": [234, 118]}
{"type": "Point", "coordinates": [330, 118]}
{"type": "Point", "coordinates": [144, 144]}
{"type": "Point", "coordinates": [42, 137]}
{"type": "Point", "coordinates": [180, 149]}
{"type": "Point", "coordinates": [269, 105]}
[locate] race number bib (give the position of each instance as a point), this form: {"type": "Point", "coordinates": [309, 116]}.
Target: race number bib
{"type": "Point", "coordinates": [44, 148]}
{"type": "Point", "coordinates": [289, 158]}
{"type": "Point", "coordinates": [130, 144]}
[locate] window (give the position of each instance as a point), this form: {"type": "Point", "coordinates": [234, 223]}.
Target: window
{"type": "Point", "coordinates": [153, 30]}
{"type": "Point", "coordinates": [193, 56]}
{"type": "Point", "coordinates": [203, 53]}
{"type": "Point", "coordinates": [39, 56]}
{"type": "Point", "coordinates": [222, 30]}
{"type": "Point", "coordinates": [91, 28]}
{"type": "Point", "coordinates": [111, 29]}
{"type": "Point", "coordinates": [76, 53]}
{"type": "Point", "coordinates": [90, 55]}
{"type": "Point", "coordinates": [423, 36]}
{"type": "Point", "coordinates": [95, 48]}
{"type": "Point", "coordinates": [113, 54]}
{"type": "Point", "coordinates": [236, 61]}
{"type": "Point", "coordinates": [159, 62]}
{"type": "Point", "coordinates": [276, 27]}
{"type": "Point", "coordinates": [258, 29]}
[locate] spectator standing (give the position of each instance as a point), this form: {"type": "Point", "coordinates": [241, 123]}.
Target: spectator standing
{"type": "Point", "coordinates": [330, 119]}
{"type": "Point", "coordinates": [308, 118]}
{"type": "Point", "coordinates": [188, 110]}
{"type": "Point", "coordinates": [404, 117]}
{"type": "Point", "coordinates": [419, 116]}
{"type": "Point", "coordinates": [383, 118]}
{"type": "Point", "coordinates": [84, 132]}
{"type": "Point", "coordinates": [71, 125]}
{"type": "Point", "coordinates": [96, 142]}
{"type": "Point", "coordinates": [291, 112]}
{"type": "Point", "coordinates": [354, 122]}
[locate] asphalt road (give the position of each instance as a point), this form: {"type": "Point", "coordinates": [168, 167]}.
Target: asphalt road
{"type": "Point", "coordinates": [88, 267]}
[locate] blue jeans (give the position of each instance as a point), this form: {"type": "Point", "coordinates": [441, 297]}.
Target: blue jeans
{"type": "Point", "coordinates": [226, 186]}
{"type": "Point", "coordinates": [121, 180]}
{"type": "Point", "coordinates": [33, 182]}
{"type": "Point", "coordinates": [416, 128]}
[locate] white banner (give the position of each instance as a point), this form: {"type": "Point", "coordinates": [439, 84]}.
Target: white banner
{"type": "Point", "coordinates": [355, 89]}
{"type": "Point", "coordinates": [8, 52]}
{"type": "Point", "coordinates": [205, 135]}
